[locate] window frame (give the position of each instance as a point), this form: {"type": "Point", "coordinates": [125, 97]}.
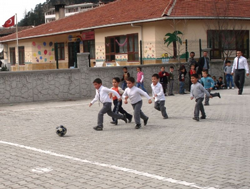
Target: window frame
{"type": "Point", "coordinates": [21, 55]}
{"type": "Point", "coordinates": [217, 36]}
{"type": "Point", "coordinates": [112, 49]}
{"type": "Point", "coordinates": [60, 50]}
{"type": "Point", "coordinates": [86, 44]}
{"type": "Point", "coordinates": [12, 55]}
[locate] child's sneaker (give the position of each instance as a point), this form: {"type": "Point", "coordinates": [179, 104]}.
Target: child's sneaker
{"type": "Point", "coordinates": [232, 87]}
{"type": "Point", "coordinates": [138, 126]}
{"type": "Point", "coordinates": [227, 87]}
{"type": "Point", "coordinates": [196, 118]}
{"type": "Point", "coordinates": [145, 121]}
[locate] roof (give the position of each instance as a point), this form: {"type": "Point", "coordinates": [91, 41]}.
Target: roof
{"type": "Point", "coordinates": [7, 31]}
{"type": "Point", "coordinates": [119, 11]}
{"type": "Point", "coordinates": [123, 12]}
{"type": "Point", "coordinates": [211, 8]}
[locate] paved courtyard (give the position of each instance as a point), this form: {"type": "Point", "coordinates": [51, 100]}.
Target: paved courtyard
{"type": "Point", "coordinates": [177, 153]}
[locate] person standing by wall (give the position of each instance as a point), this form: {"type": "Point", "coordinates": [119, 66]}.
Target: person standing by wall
{"type": "Point", "coordinates": [140, 79]}
{"type": "Point", "coordinates": [171, 81]}
{"type": "Point", "coordinates": [229, 78]}
{"type": "Point", "coordinates": [240, 67]}
{"type": "Point", "coordinates": [125, 76]}
{"type": "Point", "coordinates": [164, 79]}
{"type": "Point", "coordinates": [203, 64]}
{"type": "Point", "coordinates": [192, 61]}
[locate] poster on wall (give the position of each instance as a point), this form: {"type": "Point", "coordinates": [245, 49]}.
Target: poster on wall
{"type": "Point", "coordinates": [90, 35]}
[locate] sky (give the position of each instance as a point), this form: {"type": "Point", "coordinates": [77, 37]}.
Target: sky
{"type": "Point", "coordinates": [9, 8]}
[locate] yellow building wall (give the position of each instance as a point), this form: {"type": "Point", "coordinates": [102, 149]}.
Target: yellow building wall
{"type": "Point", "coordinates": [40, 53]}
{"type": "Point", "coordinates": [192, 30]}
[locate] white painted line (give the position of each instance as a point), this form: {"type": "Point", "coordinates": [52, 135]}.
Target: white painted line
{"type": "Point", "coordinates": [153, 176]}
{"type": "Point", "coordinates": [41, 170]}
{"type": "Point", "coordinates": [44, 107]}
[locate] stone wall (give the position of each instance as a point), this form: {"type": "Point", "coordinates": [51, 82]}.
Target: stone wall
{"type": "Point", "coordinates": [67, 84]}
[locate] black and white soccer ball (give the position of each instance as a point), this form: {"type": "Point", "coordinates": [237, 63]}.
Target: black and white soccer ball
{"type": "Point", "coordinates": [61, 130]}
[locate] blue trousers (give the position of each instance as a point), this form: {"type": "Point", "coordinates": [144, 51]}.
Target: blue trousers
{"type": "Point", "coordinates": [140, 85]}
{"type": "Point", "coordinates": [181, 91]}
{"type": "Point", "coordinates": [229, 79]}
{"type": "Point", "coordinates": [124, 85]}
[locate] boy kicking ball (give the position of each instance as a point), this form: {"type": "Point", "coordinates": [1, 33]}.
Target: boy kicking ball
{"type": "Point", "coordinates": [102, 94]}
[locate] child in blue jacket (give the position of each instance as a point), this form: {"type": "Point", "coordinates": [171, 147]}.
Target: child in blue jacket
{"type": "Point", "coordinates": [208, 84]}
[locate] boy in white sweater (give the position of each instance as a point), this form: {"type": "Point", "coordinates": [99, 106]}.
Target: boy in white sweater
{"type": "Point", "coordinates": [134, 94]}
{"type": "Point", "coordinates": [102, 95]}
{"type": "Point", "coordinates": [159, 95]}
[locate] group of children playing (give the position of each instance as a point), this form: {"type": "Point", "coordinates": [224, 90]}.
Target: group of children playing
{"type": "Point", "coordinates": [132, 92]}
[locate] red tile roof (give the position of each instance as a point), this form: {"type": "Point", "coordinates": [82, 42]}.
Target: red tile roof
{"type": "Point", "coordinates": [211, 8]}
{"type": "Point", "coordinates": [119, 11]}
{"type": "Point", "coordinates": [7, 31]}
{"type": "Point", "coordinates": [126, 11]}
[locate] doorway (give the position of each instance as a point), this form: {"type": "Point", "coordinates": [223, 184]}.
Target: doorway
{"type": "Point", "coordinates": [73, 49]}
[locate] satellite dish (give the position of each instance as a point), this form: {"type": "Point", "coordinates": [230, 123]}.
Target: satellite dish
{"type": "Point", "coordinates": [1, 48]}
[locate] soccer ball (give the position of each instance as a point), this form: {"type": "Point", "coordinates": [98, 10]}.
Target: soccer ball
{"type": "Point", "coordinates": [61, 130]}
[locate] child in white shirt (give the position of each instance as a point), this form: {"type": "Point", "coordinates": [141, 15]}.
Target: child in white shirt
{"type": "Point", "coordinates": [158, 95]}
{"type": "Point", "coordinates": [134, 94]}
{"type": "Point", "coordinates": [102, 94]}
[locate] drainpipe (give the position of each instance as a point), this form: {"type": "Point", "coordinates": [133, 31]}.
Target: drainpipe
{"type": "Point", "coordinates": [141, 38]}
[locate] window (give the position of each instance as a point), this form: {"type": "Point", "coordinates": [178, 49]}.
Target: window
{"type": "Point", "coordinates": [72, 10]}
{"type": "Point", "coordinates": [61, 52]}
{"type": "Point", "coordinates": [226, 40]}
{"type": "Point", "coordinates": [125, 44]}
{"type": "Point", "coordinates": [89, 46]}
{"type": "Point", "coordinates": [21, 55]}
{"type": "Point", "coordinates": [12, 56]}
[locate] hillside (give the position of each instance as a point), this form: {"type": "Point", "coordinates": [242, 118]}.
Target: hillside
{"type": "Point", "coordinates": [35, 16]}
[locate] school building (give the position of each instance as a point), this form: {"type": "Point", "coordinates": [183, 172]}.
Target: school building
{"type": "Point", "coordinates": [129, 32]}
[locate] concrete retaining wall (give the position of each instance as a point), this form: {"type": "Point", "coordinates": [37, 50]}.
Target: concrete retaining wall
{"type": "Point", "coordinates": [28, 86]}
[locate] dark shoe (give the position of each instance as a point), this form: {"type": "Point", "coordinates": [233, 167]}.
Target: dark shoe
{"type": "Point", "coordinates": [124, 118]}
{"type": "Point", "coordinates": [98, 128]}
{"type": "Point", "coordinates": [165, 117]}
{"type": "Point", "coordinates": [206, 104]}
{"type": "Point", "coordinates": [240, 92]}
{"type": "Point", "coordinates": [114, 122]}
{"type": "Point", "coordinates": [196, 118]}
{"type": "Point", "coordinates": [129, 120]}
{"type": "Point", "coordinates": [138, 126]}
{"type": "Point", "coordinates": [145, 121]}
{"type": "Point", "coordinates": [219, 95]}
{"type": "Point", "coordinates": [203, 117]}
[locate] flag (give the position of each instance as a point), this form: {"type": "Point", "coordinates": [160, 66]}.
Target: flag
{"type": "Point", "coordinates": [10, 22]}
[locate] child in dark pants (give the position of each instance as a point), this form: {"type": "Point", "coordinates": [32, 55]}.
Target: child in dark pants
{"type": "Point", "coordinates": [164, 79]}
{"type": "Point", "coordinates": [118, 104]}
{"type": "Point", "coordinates": [158, 95]}
{"type": "Point", "coordinates": [134, 94]}
{"type": "Point", "coordinates": [171, 81]}
{"type": "Point", "coordinates": [182, 75]}
{"type": "Point", "coordinates": [102, 94]}
{"type": "Point", "coordinates": [197, 92]}
{"type": "Point", "coordinates": [208, 84]}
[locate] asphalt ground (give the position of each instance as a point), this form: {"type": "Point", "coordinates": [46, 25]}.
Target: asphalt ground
{"type": "Point", "coordinates": [174, 153]}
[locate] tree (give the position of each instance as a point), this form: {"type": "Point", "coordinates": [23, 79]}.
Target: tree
{"type": "Point", "coordinates": [225, 35]}
{"type": "Point", "coordinates": [173, 38]}
{"type": "Point", "coordinates": [36, 16]}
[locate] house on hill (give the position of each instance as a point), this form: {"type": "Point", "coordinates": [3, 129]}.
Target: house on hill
{"type": "Point", "coordinates": [128, 32]}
